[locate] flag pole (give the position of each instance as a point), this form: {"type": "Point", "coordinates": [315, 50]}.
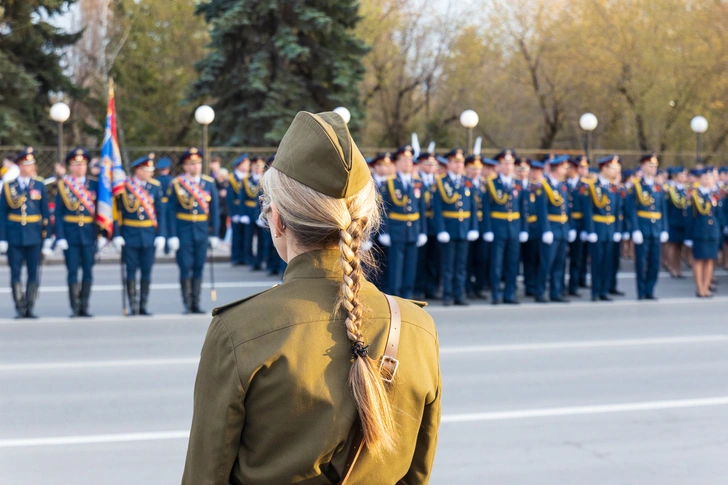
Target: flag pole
{"type": "Point", "coordinates": [122, 267]}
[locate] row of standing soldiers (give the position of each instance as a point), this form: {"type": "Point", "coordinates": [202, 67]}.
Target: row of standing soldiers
{"type": "Point", "coordinates": [454, 226]}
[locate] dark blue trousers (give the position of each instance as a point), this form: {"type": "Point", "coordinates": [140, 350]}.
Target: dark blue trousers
{"type": "Point", "coordinates": [530, 257]}
{"type": "Point", "coordinates": [28, 255]}
{"type": "Point", "coordinates": [576, 259]}
{"type": "Point", "coordinates": [263, 244]}
{"type": "Point", "coordinates": [602, 262]}
{"type": "Point", "coordinates": [551, 267]}
{"type": "Point", "coordinates": [478, 257]}
{"type": "Point", "coordinates": [402, 268]}
{"type": "Point", "coordinates": [504, 265]}
{"type": "Point", "coordinates": [616, 258]}
{"type": "Point", "coordinates": [138, 259]}
{"type": "Point", "coordinates": [428, 267]}
{"type": "Point", "coordinates": [80, 255]}
{"type": "Point", "coordinates": [453, 262]}
{"type": "Point", "coordinates": [191, 259]}
{"type": "Point", "coordinates": [647, 265]}
{"type": "Point", "coordinates": [236, 244]}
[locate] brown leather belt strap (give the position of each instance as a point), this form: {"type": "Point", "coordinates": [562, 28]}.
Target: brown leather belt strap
{"type": "Point", "coordinates": [388, 369]}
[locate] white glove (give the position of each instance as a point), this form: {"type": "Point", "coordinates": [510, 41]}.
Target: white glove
{"type": "Point", "coordinates": [472, 236]}
{"type": "Point", "coordinates": [523, 236]}
{"type": "Point", "coordinates": [245, 219]}
{"type": "Point", "coordinates": [385, 240]}
{"type": "Point", "coordinates": [443, 237]}
{"type": "Point", "coordinates": [259, 222]}
{"type": "Point", "coordinates": [584, 236]}
{"type": "Point", "coordinates": [592, 238]}
{"type": "Point", "coordinates": [488, 237]}
{"type": "Point", "coordinates": [617, 237]}
{"type": "Point", "coordinates": [118, 243]}
{"type": "Point", "coordinates": [571, 237]}
{"type": "Point", "coordinates": [213, 241]}
{"type": "Point", "coordinates": [47, 247]}
{"type": "Point", "coordinates": [625, 236]}
{"type": "Point", "coordinates": [173, 243]}
{"type": "Point", "coordinates": [62, 244]}
{"type": "Point", "coordinates": [159, 243]}
{"type": "Point", "coordinates": [547, 237]}
{"type": "Point", "coordinates": [664, 236]}
{"type": "Point", "coordinates": [689, 243]}
{"type": "Point", "coordinates": [236, 219]}
{"type": "Point", "coordinates": [637, 237]}
{"type": "Point", "coordinates": [421, 240]}
{"type": "Point", "coordinates": [101, 243]}
{"type": "Point", "coordinates": [3, 247]}
{"type": "Point", "coordinates": [366, 245]}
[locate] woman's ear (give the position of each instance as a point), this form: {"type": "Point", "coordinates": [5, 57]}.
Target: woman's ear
{"type": "Point", "coordinates": [276, 223]}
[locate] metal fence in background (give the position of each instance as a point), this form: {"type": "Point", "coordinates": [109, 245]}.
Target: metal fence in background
{"type": "Point", "coordinates": [46, 157]}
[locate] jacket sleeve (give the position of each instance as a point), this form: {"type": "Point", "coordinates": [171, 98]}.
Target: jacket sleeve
{"type": "Point", "coordinates": [160, 208]}
{"type": "Point", "coordinates": [630, 210]}
{"type": "Point", "coordinates": [588, 210]}
{"type": "Point", "coordinates": [621, 221]}
{"type": "Point", "coordinates": [486, 225]}
{"type": "Point", "coordinates": [171, 209]}
{"type": "Point", "coordinates": [474, 224]}
{"type": "Point", "coordinates": [423, 212]}
{"type": "Point", "coordinates": [58, 229]}
{"type": "Point", "coordinates": [437, 209]}
{"type": "Point", "coordinates": [214, 210]}
{"type": "Point", "coordinates": [386, 207]}
{"type": "Point", "coordinates": [218, 412]}
{"type": "Point", "coordinates": [424, 455]}
{"type": "Point", "coordinates": [542, 212]}
{"type": "Point", "coordinates": [523, 196]}
{"type": "Point", "coordinates": [230, 198]}
{"type": "Point", "coordinates": [665, 221]}
{"type": "Point", "coordinates": [3, 214]}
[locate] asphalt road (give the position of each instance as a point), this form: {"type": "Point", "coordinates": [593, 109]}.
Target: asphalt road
{"type": "Point", "coordinates": [586, 393]}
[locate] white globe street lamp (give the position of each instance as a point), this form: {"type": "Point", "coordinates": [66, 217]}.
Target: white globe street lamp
{"type": "Point", "coordinates": [60, 112]}
{"type": "Point", "coordinates": [344, 113]}
{"type": "Point", "coordinates": [205, 115]}
{"type": "Point", "coordinates": [469, 119]}
{"type": "Point", "coordinates": [588, 122]}
{"type": "Point", "coordinates": [699, 125]}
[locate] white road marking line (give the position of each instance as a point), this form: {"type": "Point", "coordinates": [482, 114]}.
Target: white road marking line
{"type": "Point", "coordinates": [585, 344]}
{"type": "Point", "coordinates": [92, 364]}
{"type": "Point", "coordinates": [447, 418]}
{"type": "Point", "coordinates": [160, 286]}
{"type": "Point", "coordinates": [580, 410]}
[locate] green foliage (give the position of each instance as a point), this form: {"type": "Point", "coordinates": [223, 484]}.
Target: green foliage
{"type": "Point", "coordinates": [31, 69]}
{"type": "Point", "coordinates": [271, 59]}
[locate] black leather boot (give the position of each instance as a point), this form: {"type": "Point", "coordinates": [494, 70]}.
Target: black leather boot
{"type": "Point", "coordinates": [19, 300]}
{"type": "Point", "coordinates": [144, 297]}
{"type": "Point", "coordinates": [196, 287]}
{"type": "Point", "coordinates": [186, 285]}
{"type": "Point", "coordinates": [131, 294]}
{"type": "Point", "coordinates": [73, 289]}
{"type": "Point", "coordinates": [31, 292]}
{"type": "Point", "coordinates": [83, 301]}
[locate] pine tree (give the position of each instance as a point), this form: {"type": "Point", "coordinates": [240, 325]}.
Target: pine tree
{"type": "Point", "coordinates": [270, 59]}
{"type": "Point", "coordinates": [30, 69]}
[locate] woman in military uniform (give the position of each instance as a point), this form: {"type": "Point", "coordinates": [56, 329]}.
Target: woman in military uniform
{"type": "Point", "coordinates": [287, 378]}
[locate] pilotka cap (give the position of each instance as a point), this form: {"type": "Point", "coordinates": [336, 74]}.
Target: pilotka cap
{"type": "Point", "coordinates": [318, 151]}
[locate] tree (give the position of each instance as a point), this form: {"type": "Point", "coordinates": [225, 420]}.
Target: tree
{"type": "Point", "coordinates": [271, 59]}
{"type": "Point", "coordinates": [31, 69]}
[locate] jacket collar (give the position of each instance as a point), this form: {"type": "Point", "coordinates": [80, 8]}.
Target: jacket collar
{"type": "Point", "coordinates": [321, 263]}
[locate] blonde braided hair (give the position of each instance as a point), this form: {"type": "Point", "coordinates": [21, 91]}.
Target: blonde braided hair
{"type": "Point", "coordinates": [319, 221]}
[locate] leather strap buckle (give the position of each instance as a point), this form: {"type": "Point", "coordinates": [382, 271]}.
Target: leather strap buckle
{"type": "Point", "coordinates": [388, 368]}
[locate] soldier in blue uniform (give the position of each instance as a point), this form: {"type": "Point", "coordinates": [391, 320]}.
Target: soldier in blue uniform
{"type": "Point", "coordinates": [622, 182]}
{"type": "Point", "coordinates": [603, 225]}
{"type": "Point", "coordinates": [404, 227]}
{"type": "Point", "coordinates": [456, 221]}
{"type": "Point", "coordinates": [478, 250]}
{"type": "Point", "coordinates": [530, 249]}
{"type": "Point", "coordinates": [427, 282]}
{"type": "Point", "coordinates": [677, 218]}
{"type": "Point", "coordinates": [241, 168]}
{"type": "Point", "coordinates": [23, 228]}
{"type": "Point", "coordinates": [193, 224]}
{"type": "Point", "coordinates": [140, 229]}
{"type": "Point", "coordinates": [164, 166]}
{"type": "Point", "coordinates": [381, 166]}
{"type": "Point", "coordinates": [250, 211]}
{"type": "Point", "coordinates": [556, 232]}
{"type": "Point", "coordinates": [75, 228]}
{"type": "Point", "coordinates": [504, 225]}
{"type": "Point", "coordinates": [706, 215]}
{"type": "Point", "coordinates": [577, 170]}
{"type": "Point", "coordinates": [646, 213]}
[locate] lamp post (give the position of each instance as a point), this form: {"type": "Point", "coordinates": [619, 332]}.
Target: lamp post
{"type": "Point", "coordinates": [344, 113]}
{"type": "Point", "coordinates": [60, 112]}
{"type": "Point", "coordinates": [204, 115]}
{"type": "Point", "coordinates": [469, 119]}
{"type": "Point", "coordinates": [699, 125]}
{"type": "Point", "coordinates": [588, 122]}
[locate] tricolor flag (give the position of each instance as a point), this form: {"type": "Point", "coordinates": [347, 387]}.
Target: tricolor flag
{"type": "Point", "coordinates": [112, 176]}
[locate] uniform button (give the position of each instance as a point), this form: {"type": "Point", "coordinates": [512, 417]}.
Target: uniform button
{"type": "Point", "coordinates": [24, 207]}
{"type": "Point", "coordinates": [571, 205]}
{"type": "Point", "coordinates": [194, 211]}
{"type": "Point", "coordinates": [22, 223]}
{"type": "Point", "coordinates": [141, 218]}
{"type": "Point", "coordinates": [194, 204]}
{"type": "Point", "coordinates": [710, 222]}
{"type": "Point", "coordinates": [141, 209]}
{"type": "Point", "coordinates": [409, 224]}
{"type": "Point", "coordinates": [80, 224]}
{"type": "Point", "coordinates": [609, 208]}
{"type": "Point", "coordinates": [652, 221]}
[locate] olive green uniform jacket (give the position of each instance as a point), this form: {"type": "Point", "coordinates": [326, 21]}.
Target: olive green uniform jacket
{"type": "Point", "coordinates": [272, 403]}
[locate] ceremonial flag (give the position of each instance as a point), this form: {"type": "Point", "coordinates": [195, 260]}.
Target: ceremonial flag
{"type": "Point", "coordinates": [112, 176]}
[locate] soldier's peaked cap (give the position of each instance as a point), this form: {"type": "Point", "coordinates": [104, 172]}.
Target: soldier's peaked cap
{"type": "Point", "coordinates": [318, 151]}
